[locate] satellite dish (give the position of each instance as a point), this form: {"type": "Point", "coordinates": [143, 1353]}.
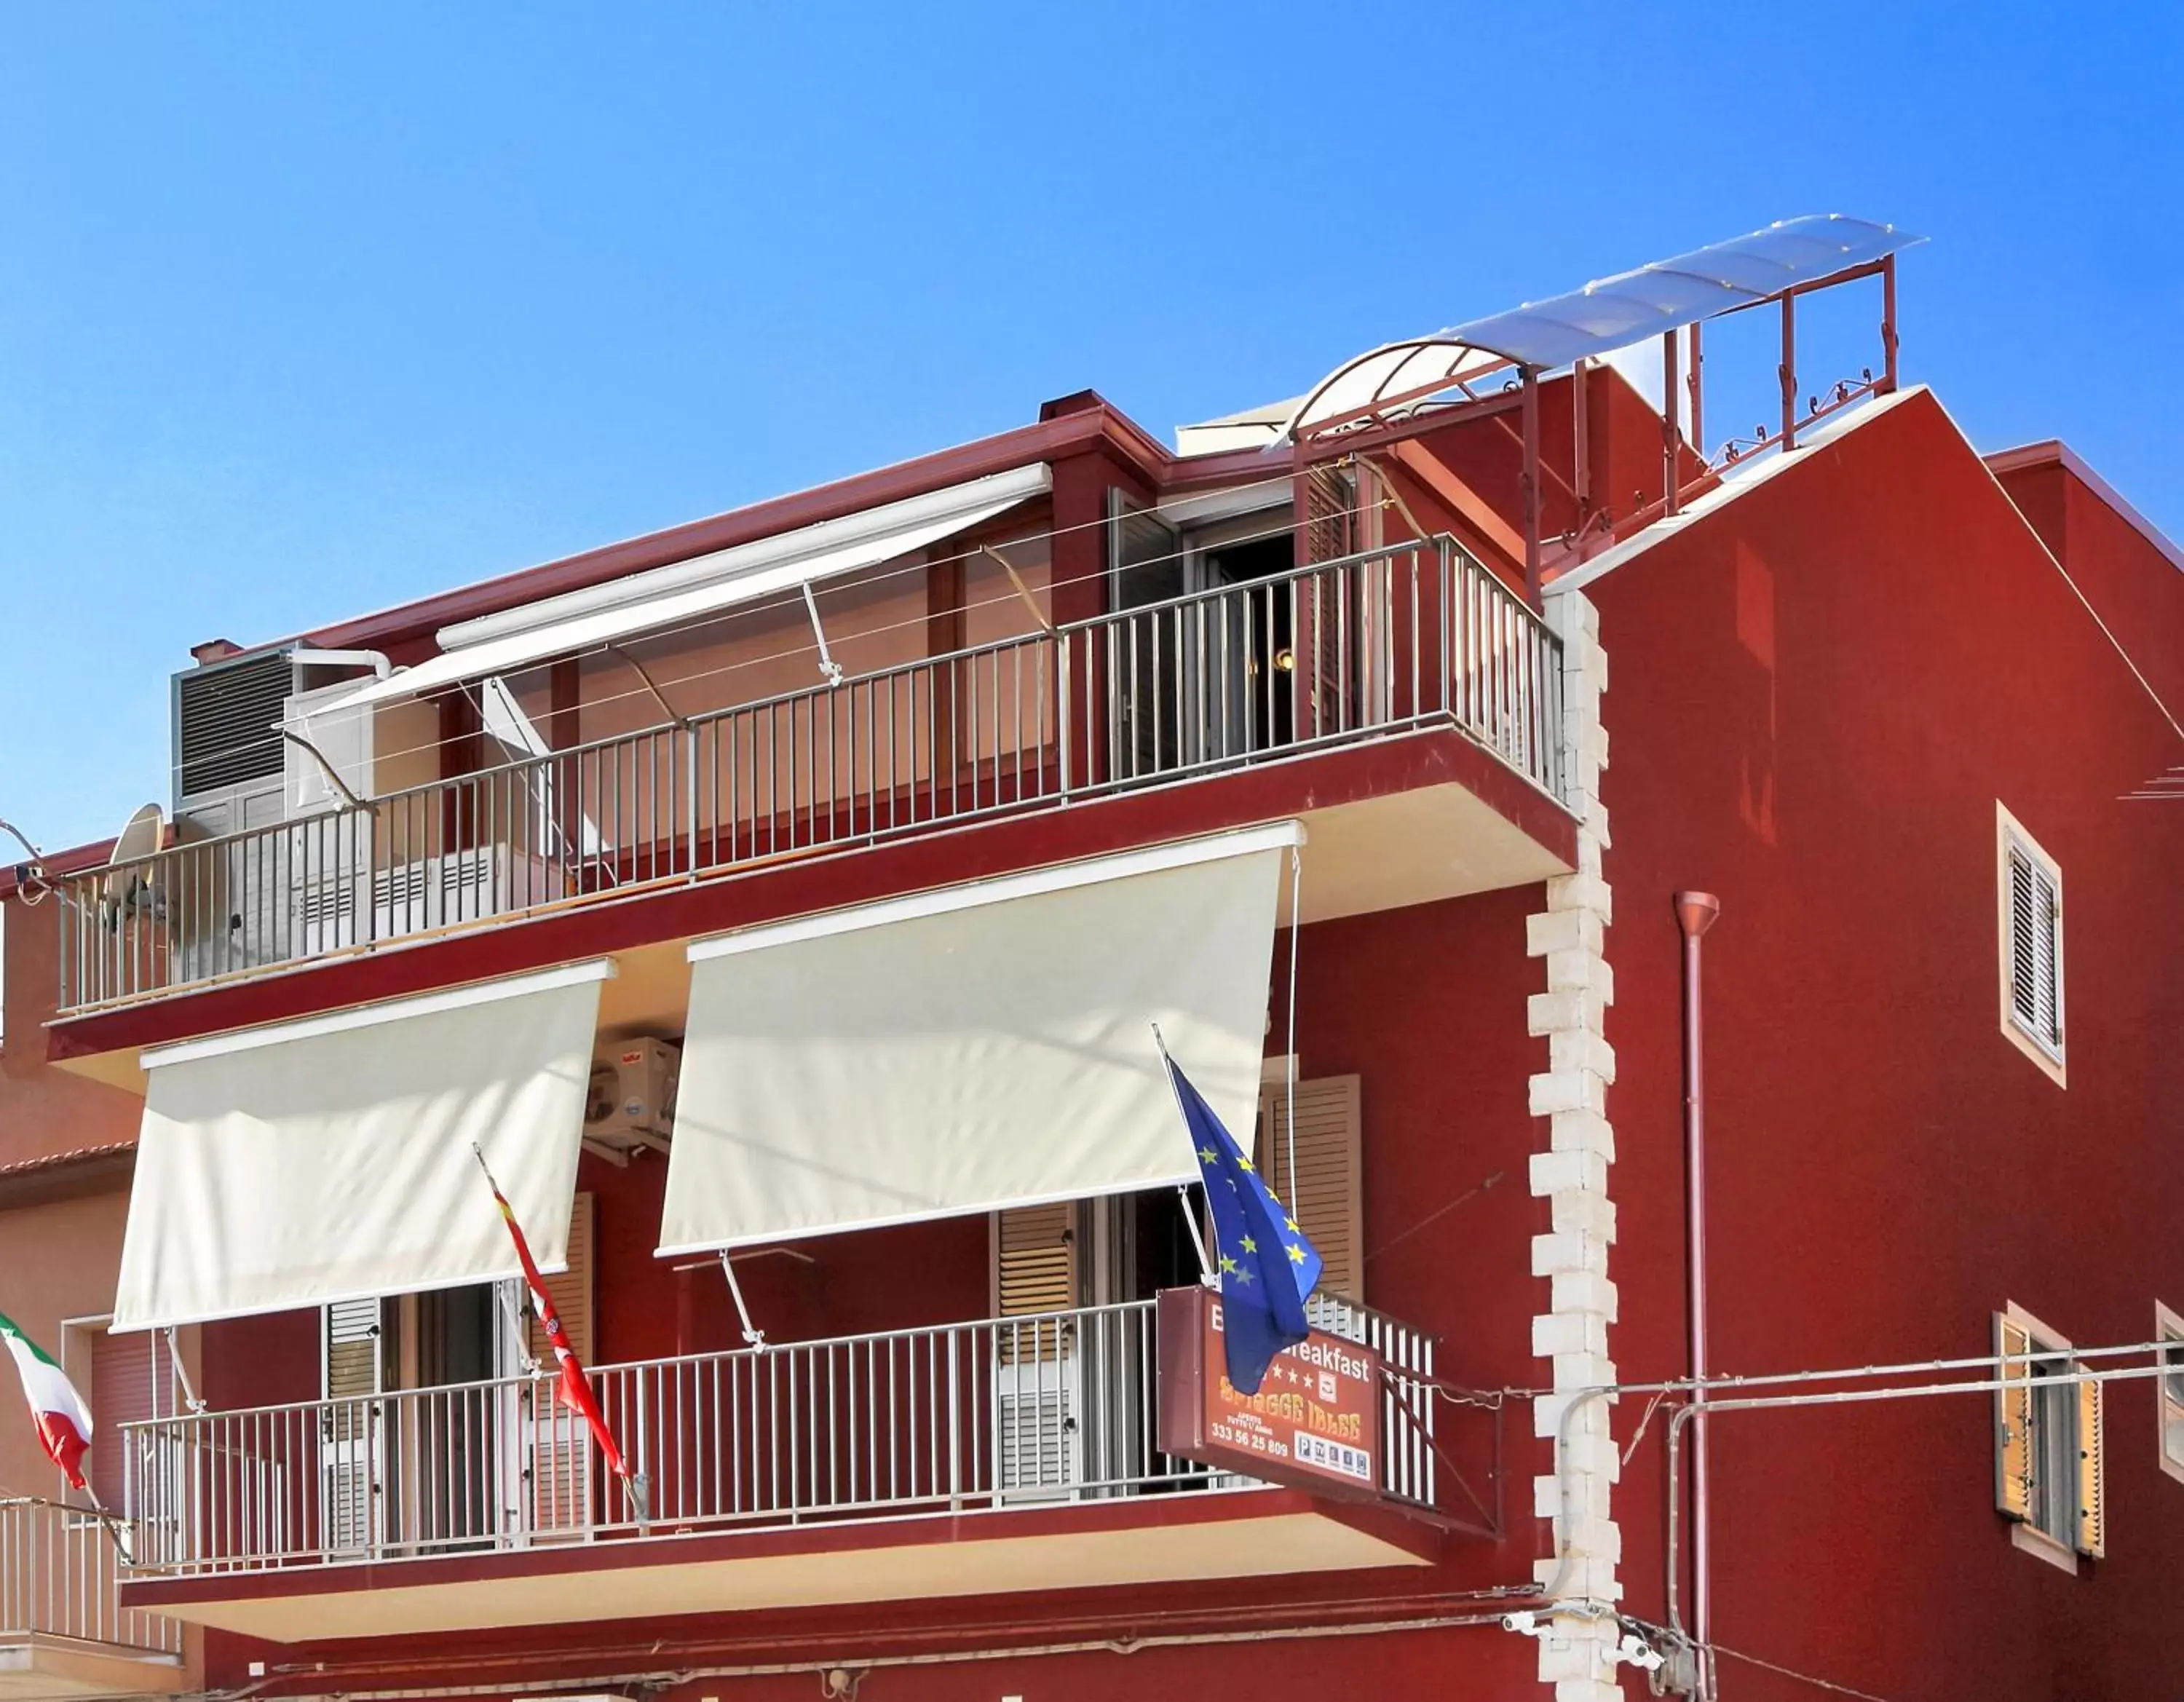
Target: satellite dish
{"type": "Point", "coordinates": [129, 889]}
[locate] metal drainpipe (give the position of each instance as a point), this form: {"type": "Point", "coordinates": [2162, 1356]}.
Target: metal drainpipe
{"type": "Point", "coordinates": [1696, 912]}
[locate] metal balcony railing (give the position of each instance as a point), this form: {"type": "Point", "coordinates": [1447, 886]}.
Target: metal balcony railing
{"type": "Point", "coordinates": [1021, 1411]}
{"type": "Point", "coordinates": [58, 1572]}
{"type": "Point", "coordinates": [1388, 642]}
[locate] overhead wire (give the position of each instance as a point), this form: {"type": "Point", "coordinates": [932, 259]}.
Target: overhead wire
{"type": "Point", "coordinates": [1791, 1672]}
{"type": "Point", "coordinates": [793, 602]}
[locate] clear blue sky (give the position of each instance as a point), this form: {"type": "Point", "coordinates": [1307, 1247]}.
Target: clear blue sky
{"type": "Point", "coordinates": [306, 309]}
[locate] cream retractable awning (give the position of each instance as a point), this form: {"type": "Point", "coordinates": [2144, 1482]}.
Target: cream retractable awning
{"type": "Point", "coordinates": [973, 1048]}
{"type": "Point", "coordinates": [330, 1158]}
{"type": "Point", "coordinates": [685, 591]}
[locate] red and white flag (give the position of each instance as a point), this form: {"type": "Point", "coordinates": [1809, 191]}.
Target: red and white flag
{"type": "Point", "coordinates": [575, 1389]}
{"type": "Point", "coordinates": [63, 1421]}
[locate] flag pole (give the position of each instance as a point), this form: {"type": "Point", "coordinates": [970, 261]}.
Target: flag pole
{"type": "Point", "coordinates": [112, 1522]}
{"type": "Point", "coordinates": [575, 1389]}
{"type": "Point", "coordinates": [1205, 1275]}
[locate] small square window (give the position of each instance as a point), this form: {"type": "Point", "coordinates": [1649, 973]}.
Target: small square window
{"type": "Point", "coordinates": [2030, 942]}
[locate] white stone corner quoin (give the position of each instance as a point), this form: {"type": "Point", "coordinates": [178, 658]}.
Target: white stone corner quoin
{"type": "Point", "coordinates": [1571, 1333]}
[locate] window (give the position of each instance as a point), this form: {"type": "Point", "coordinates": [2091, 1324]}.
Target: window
{"type": "Point", "coordinates": [2169, 1328]}
{"type": "Point", "coordinates": [2030, 944]}
{"type": "Point", "coordinates": [2048, 1426]}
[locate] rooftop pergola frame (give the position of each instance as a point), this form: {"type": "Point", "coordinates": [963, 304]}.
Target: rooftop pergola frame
{"type": "Point", "coordinates": [1494, 367]}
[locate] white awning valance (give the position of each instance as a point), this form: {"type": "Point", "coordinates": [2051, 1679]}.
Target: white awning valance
{"type": "Point", "coordinates": [330, 1158]}
{"type": "Point", "coordinates": [973, 1048]}
{"type": "Point", "coordinates": [686, 591]}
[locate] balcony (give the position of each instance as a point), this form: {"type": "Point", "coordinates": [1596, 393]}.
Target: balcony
{"type": "Point", "coordinates": [961, 1460]}
{"type": "Point", "coordinates": [63, 1630]}
{"type": "Point", "coordinates": [1417, 642]}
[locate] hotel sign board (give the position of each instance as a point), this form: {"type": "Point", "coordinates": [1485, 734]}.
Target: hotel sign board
{"type": "Point", "coordinates": [1314, 1423]}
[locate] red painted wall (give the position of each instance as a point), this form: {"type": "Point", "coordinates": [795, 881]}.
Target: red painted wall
{"type": "Point", "coordinates": [1448, 1220]}
{"type": "Point", "coordinates": [1815, 702]}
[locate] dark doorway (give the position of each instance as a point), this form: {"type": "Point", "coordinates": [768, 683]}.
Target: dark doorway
{"type": "Point", "coordinates": [1253, 708]}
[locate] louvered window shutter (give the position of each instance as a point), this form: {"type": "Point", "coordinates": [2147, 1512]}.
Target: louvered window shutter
{"type": "Point", "coordinates": [2013, 1418]}
{"type": "Point", "coordinates": [1328, 608]}
{"type": "Point", "coordinates": [1034, 1271]}
{"type": "Point", "coordinates": [560, 1467]}
{"type": "Point", "coordinates": [351, 1433]}
{"type": "Point", "coordinates": [2093, 1487]}
{"type": "Point", "coordinates": [2172, 1400]}
{"type": "Point", "coordinates": [570, 1291]}
{"type": "Point", "coordinates": [2035, 948]}
{"type": "Point", "coordinates": [354, 1365]}
{"type": "Point", "coordinates": [1325, 1196]}
{"type": "Point", "coordinates": [2047, 940]}
{"type": "Point", "coordinates": [124, 1370]}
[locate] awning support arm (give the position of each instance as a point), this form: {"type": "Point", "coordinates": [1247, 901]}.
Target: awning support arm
{"type": "Point", "coordinates": [827, 665]}
{"type": "Point", "coordinates": [1022, 590]}
{"type": "Point", "coordinates": [645, 679]}
{"type": "Point", "coordinates": [181, 1372]}
{"type": "Point", "coordinates": [331, 774]}
{"type": "Point", "coordinates": [755, 1337]}
{"type": "Point", "coordinates": [1198, 1241]}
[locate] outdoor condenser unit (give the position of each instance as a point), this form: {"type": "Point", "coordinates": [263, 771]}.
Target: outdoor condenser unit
{"type": "Point", "coordinates": [632, 1102]}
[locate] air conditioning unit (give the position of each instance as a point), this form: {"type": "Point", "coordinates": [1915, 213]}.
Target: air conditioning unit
{"type": "Point", "coordinates": [419, 896]}
{"type": "Point", "coordinates": [633, 1095]}
{"type": "Point", "coordinates": [235, 778]}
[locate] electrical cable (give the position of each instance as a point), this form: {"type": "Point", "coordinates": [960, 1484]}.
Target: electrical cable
{"type": "Point", "coordinates": [1792, 1672]}
{"type": "Point", "coordinates": [1732, 1380]}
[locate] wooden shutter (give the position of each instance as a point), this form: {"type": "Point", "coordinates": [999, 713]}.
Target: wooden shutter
{"type": "Point", "coordinates": [1325, 1197]}
{"type": "Point", "coordinates": [1326, 620]}
{"type": "Point", "coordinates": [2013, 1418]}
{"type": "Point", "coordinates": [354, 1364]}
{"type": "Point", "coordinates": [124, 1390]}
{"type": "Point", "coordinates": [2093, 1487]}
{"type": "Point", "coordinates": [1034, 1271]}
{"type": "Point", "coordinates": [1330, 513]}
{"type": "Point", "coordinates": [571, 1290]}
{"type": "Point", "coordinates": [1144, 660]}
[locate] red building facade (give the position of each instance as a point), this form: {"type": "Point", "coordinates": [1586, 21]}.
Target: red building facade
{"type": "Point", "coordinates": [1895, 704]}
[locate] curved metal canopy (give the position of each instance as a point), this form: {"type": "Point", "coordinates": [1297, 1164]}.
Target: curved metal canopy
{"type": "Point", "coordinates": [1608, 314]}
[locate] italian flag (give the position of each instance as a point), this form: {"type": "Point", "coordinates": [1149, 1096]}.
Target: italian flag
{"type": "Point", "coordinates": [63, 1421]}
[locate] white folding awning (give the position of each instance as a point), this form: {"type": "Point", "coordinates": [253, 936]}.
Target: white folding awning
{"type": "Point", "coordinates": [330, 1158]}
{"type": "Point", "coordinates": [973, 1049]}
{"type": "Point", "coordinates": [686, 591]}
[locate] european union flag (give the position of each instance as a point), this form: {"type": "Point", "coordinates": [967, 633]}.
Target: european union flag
{"type": "Point", "coordinates": [1267, 1267]}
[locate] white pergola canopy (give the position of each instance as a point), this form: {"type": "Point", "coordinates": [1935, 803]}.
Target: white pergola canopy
{"type": "Point", "coordinates": [1606, 315]}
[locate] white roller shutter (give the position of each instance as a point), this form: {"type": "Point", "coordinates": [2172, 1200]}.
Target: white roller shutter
{"type": "Point", "coordinates": [331, 1159]}
{"type": "Point", "coordinates": [973, 1049]}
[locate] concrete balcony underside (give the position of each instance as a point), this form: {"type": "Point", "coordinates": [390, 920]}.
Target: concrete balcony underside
{"type": "Point", "coordinates": [1136, 1540]}
{"type": "Point", "coordinates": [1409, 817]}
{"type": "Point", "coordinates": [34, 1664]}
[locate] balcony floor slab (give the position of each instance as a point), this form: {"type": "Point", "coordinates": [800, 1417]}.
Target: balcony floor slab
{"type": "Point", "coordinates": [38, 1668]}
{"type": "Point", "coordinates": [1138, 1540]}
{"type": "Point", "coordinates": [1406, 819]}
